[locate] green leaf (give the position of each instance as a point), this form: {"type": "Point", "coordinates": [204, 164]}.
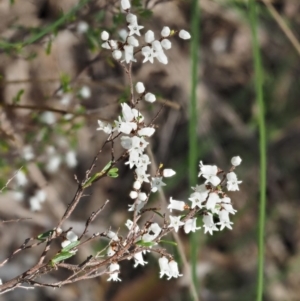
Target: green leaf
{"type": "Point", "coordinates": [96, 176]}
{"type": "Point", "coordinates": [48, 47]}
{"type": "Point", "coordinates": [17, 98]}
{"type": "Point", "coordinates": [65, 82]}
{"type": "Point", "coordinates": [61, 256]}
{"type": "Point", "coordinates": [145, 243]}
{"type": "Point", "coordinates": [169, 242]}
{"type": "Point", "coordinates": [113, 173]}
{"type": "Point", "coordinates": [44, 235]}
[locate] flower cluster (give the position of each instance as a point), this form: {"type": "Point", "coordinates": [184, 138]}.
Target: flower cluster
{"type": "Point", "coordinates": [152, 48]}
{"type": "Point", "coordinates": [209, 201]}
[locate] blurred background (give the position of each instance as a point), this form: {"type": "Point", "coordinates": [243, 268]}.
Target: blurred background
{"type": "Point", "coordinates": [56, 82]}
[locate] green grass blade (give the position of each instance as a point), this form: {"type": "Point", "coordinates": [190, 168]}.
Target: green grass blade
{"type": "Point", "coordinates": [262, 149]}
{"type": "Point", "coordinates": [193, 164]}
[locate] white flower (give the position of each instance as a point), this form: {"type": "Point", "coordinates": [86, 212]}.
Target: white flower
{"type": "Point", "coordinates": [149, 54]}
{"type": "Point", "coordinates": [21, 178]}
{"type": "Point", "coordinates": [232, 181]}
{"type": "Point", "coordinates": [28, 153]}
{"type": "Point", "coordinates": [226, 204]}
{"type": "Point", "coordinates": [105, 45]}
{"type": "Point", "coordinates": [146, 131]}
{"type": "Point", "coordinates": [175, 222]}
{"type": "Point", "coordinates": [71, 159]}
{"type": "Point", "coordinates": [105, 127]}
{"type": "Point", "coordinates": [209, 172]}
{"type": "Point", "coordinates": [129, 54]}
{"type": "Point", "coordinates": [137, 185]}
{"type": "Point", "coordinates": [104, 35]}
{"type": "Point", "coordinates": [191, 225]}
{"type": "Point", "coordinates": [35, 204]}
{"type": "Point", "coordinates": [197, 198]}
{"type": "Point", "coordinates": [150, 97]}
{"type": "Point", "coordinates": [224, 220]}
{"type": "Point", "coordinates": [153, 231]}
{"type": "Point", "coordinates": [71, 236]}
{"type": "Point", "coordinates": [142, 196]}
{"type": "Point", "coordinates": [112, 235]}
{"type": "Point", "coordinates": [149, 36]}
{"type": "Point", "coordinates": [53, 164]}
{"type": "Point", "coordinates": [110, 251]}
{"type": "Point", "coordinates": [129, 224]}
{"type": "Point", "coordinates": [156, 184]}
{"type": "Point", "coordinates": [140, 88]}
{"type": "Point", "coordinates": [209, 225]}
{"type": "Point", "coordinates": [48, 117]}
{"type": "Point", "coordinates": [133, 194]}
{"type": "Point", "coordinates": [177, 205]}
{"type": "Point", "coordinates": [117, 54]}
{"type": "Point", "coordinates": [165, 43]}
{"type": "Point", "coordinates": [41, 195]}
{"type": "Point", "coordinates": [183, 34]}
{"type": "Point", "coordinates": [164, 266]}
{"type": "Point", "coordinates": [65, 243]}
{"type": "Point", "coordinates": [141, 175]}
{"type": "Point", "coordinates": [125, 4]}
{"type": "Point", "coordinates": [173, 270]}
{"type": "Point", "coordinates": [134, 156]}
{"type": "Point", "coordinates": [85, 92]}
{"type": "Point", "coordinates": [18, 196]}
{"type": "Point", "coordinates": [161, 57]}
{"type": "Point", "coordinates": [165, 31]}
{"type": "Point", "coordinates": [168, 172]}
{"type": "Point", "coordinates": [236, 161]}
{"type": "Point", "coordinates": [114, 270]}
{"type": "Point", "coordinates": [131, 18]}
{"type": "Point", "coordinates": [200, 188]}
{"type": "Point", "coordinates": [212, 200]}
{"type": "Point", "coordinates": [133, 41]}
{"type": "Point", "coordinates": [82, 27]}
{"type": "Point", "coordinates": [135, 29]}
{"type": "Point", "coordinates": [138, 259]}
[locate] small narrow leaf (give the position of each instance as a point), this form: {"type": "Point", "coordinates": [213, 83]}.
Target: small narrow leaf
{"type": "Point", "coordinates": [169, 242]}
{"type": "Point", "coordinates": [44, 235]}
{"type": "Point", "coordinates": [145, 243]}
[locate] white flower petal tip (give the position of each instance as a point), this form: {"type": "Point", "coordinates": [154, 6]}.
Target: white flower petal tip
{"type": "Point", "coordinates": [236, 161]}
{"type": "Point", "coordinates": [183, 34]}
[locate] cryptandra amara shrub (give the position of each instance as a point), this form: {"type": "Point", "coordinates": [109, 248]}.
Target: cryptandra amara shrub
{"type": "Point", "coordinates": [208, 202]}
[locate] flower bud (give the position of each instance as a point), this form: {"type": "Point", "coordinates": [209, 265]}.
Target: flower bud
{"type": "Point", "coordinates": [137, 185]}
{"type": "Point", "coordinates": [133, 194]}
{"type": "Point", "coordinates": [165, 31]}
{"type": "Point", "coordinates": [168, 172]}
{"type": "Point", "coordinates": [104, 35]}
{"type": "Point", "coordinates": [132, 19]}
{"type": "Point", "coordinates": [140, 88]}
{"type": "Point", "coordinates": [117, 54]}
{"type": "Point", "coordinates": [236, 161]}
{"type": "Point", "coordinates": [183, 34]}
{"type": "Point", "coordinates": [149, 36]}
{"type": "Point", "coordinates": [150, 97]}
{"type": "Point", "coordinates": [125, 4]}
{"type": "Point", "coordinates": [165, 43]}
